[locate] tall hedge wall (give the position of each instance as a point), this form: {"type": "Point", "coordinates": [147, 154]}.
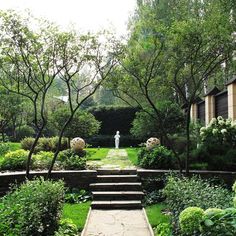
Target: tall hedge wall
{"type": "Point", "coordinates": [114, 118]}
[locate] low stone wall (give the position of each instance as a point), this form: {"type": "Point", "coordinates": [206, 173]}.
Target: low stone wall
{"type": "Point", "coordinates": [73, 179]}
{"type": "Point", "coordinates": [228, 177]}
{"type": "Point", "coordinates": [81, 179]}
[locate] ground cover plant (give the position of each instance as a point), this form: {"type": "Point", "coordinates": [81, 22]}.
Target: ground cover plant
{"type": "Point", "coordinates": [182, 192]}
{"type": "Point", "coordinates": [212, 221]}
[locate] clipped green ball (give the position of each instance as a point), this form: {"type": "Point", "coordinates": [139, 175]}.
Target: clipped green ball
{"type": "Point", "coordinates": [190, 219]}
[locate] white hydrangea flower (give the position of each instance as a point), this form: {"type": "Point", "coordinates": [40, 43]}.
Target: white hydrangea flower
{"type": "Point", "coordinates": [213, 121]}
{"type": "Point", "coordinates": [223, 131]}
{"type": "Point", "coordinates": [203, 129]}
{"type": "Point", "coordinates": [202, 134]}
{"type": "Point", "coordinates": [219, 118]}
{"type": "Point", "coordinates": [221, 122]}
{"type": "Point", "coordinates": [228, 121]}
{"type": "Point", "coordinates": [214, 131]}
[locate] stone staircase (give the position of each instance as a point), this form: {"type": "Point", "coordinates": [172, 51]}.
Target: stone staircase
{"type": "Point", "coordinates": [117, 189]}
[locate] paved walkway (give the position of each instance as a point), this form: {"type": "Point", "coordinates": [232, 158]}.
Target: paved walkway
{"type": "Point", "coordinates": [117, 223]}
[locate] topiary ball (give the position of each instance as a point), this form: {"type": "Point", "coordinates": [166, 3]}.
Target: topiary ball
{"type": "Point", "coordinates": [77, 144]}
{"type": "Point", "coordinates": [152, 142]}
{"type": "Point", "coordinates": [190, 219]}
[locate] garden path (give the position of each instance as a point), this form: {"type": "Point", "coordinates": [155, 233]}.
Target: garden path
{"type": "Point", "coordinates": [115, 159]}
{"type": "Point", "coordinates": [117, 223]}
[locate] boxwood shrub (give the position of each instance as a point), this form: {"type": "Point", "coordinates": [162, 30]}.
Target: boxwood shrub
{"type": "Point", "coordinates": [156, 158]}
{"type": "Point", "coordinates": [32, 209]}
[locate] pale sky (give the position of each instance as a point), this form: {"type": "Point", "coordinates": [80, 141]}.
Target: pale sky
{"type": "Point", "coordinates": [86, 15]}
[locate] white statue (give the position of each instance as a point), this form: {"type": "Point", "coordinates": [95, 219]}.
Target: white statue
{"type": "Point", "coordinates": [117, 139]}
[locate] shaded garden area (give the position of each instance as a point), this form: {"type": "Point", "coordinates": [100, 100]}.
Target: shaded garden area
{"type": "Point", "coordinates": [65, 94]}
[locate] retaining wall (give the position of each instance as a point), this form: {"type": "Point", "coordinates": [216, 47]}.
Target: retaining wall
{"type": "Point", "coordinates": [81, 179]}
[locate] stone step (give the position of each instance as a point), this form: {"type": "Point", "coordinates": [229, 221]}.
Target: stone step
{"type": "Point", "coordinates": [116, 171]}
{"type": "Point", "coordinates": [116, 205]}
{"type": "Point", "coordinates": [117, 195]}
{"type": "Point", "coordinates": [116, 186]}
{"type": "Point", "coordinates": [116, 178]}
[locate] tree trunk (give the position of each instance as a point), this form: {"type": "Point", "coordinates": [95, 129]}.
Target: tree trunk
{"type": "Point", "coordinates": [188, 139]}
{"type": "Point", "coordinates": [59, 145]}
{"type": "Point", "coordinates": [29, 158]}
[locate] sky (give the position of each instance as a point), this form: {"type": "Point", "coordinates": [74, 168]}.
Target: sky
{"type": "Point", "coordinates": [85, 15]}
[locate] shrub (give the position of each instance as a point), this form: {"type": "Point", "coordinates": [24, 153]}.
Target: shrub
{"type": "Point", "coordinates": [15, 160]}
{"type": "Point", "coordinates": [71, 160]}
{"type": "Point", "coordinates": [190, 219]}
{"type": "Point", "coordinates": [108, 141]}
{"type": "Point", "coordinates": [4, 148]}
{"type": "Point", "coordinates": [218, 144]}
{"type": "Point", "coordinates": [26, 143]}
{"type": "Point", "coordinates": [163, 229]}
{"type": "Point", "coordinates": [182, 192]}
{"type": "Point", "coordinates": [44, 144]}
{"type": "Point", "coordinates": [219, 222]}
{"type": "Point", "coordinates": [157, 158]}
{"type": "Point", "coordinates": [42, 160]}
{"type": "Point", "coordinates": [32, 209]}
{"type": "Point", "coordinates": [67, 228]}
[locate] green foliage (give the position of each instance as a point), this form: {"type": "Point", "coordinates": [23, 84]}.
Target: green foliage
{"type": "Point", "coordinates": [4, 148]}
{"type": "Point", "coordinates": [156, 158]}
{"type": "Point", "coordinates": [42, 160]}
{"type": "Point", "coordinates": [67, 228]}
{"type": "Point", "coordinates": [163, 229]}
{"type": "Point", "coordinates": [108, 141]}
{"type": "Point", "coordinates": [153, 197]}
{"type": "Point", "coordinates": [156, 214]}
{"type": "Point", "coordinates": [71, 160]}
{"type": "Point", "coordinates": [220, 132]}
{"type": "Point", "coordinates": [44, 144]}
{"type": "Point", "coordinates": [24, 131]}
{"type": "Point", "coordinates": [219, 222]}
{"type": "Point", "coordinates": [114, 118]}
{"type": "Point", "coordinates": [218, 145]}
{"type": "Point", "coordinates": [77, 196]}
{"type": "Point", "coordinates": [32, 209]}
{"type": "Point", "coordinates": [182, 192]}
{"type": "Point", "coordinates": [190, 219]}
{"type": "Point", "coordinates": [82, 125]}
{"type": "Point", "coordinates": [15, 160]}
{"type": "Point", "coordinates": [145, 125]}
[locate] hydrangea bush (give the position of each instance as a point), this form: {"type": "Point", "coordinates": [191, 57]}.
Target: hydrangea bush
{"type": "Point", "coordinates": [217, 145]}
{"type": "Point", "coordinates": [219, 131]}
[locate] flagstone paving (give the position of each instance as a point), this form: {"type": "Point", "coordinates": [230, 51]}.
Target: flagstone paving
{"type": "Point", "coordinates": [117, 223]}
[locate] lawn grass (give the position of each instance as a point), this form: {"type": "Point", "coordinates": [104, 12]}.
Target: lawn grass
{"type": "Point", "coordinates": [77, 213]}
{"type": "Point", "coordinates": [155, 215]}
{"type": "Point", "coordinates": [96, 154]}
{"type": "Point", "coordinates": [133, 155]}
